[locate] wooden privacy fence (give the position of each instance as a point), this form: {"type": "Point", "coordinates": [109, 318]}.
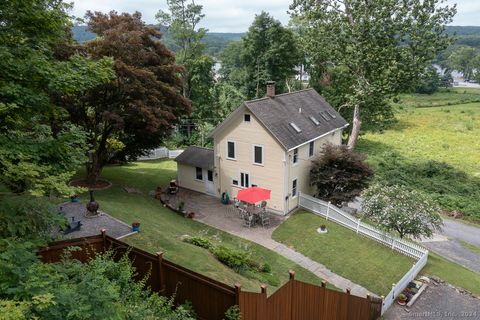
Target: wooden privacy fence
{"type": "Point", "coordinates": [297, 300]}
{"type": "Point", "coordinates": [410, 249]}
{"type": "Point", "coordinates": [211, 298]}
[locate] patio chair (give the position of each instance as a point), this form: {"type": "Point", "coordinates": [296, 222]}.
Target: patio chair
{"type": "Point", "coordinates": [265, 219]}
{"type": "Point", "coordinates": [248, 221]}
{"type": "Point", "coordinates": [242, 213]}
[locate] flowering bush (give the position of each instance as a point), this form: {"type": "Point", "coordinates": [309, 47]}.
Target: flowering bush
{"type": "Point", "coordinates": [396, 208]}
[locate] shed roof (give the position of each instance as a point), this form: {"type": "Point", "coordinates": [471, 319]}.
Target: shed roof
{"type": "Point", "coordinates": [197, 157]}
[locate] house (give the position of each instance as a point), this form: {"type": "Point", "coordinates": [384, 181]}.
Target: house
{"type": "Point", "coordinates": [268, 142]}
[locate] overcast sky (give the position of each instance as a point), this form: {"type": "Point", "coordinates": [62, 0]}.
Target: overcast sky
{"type": "Point", "coordinates": [237, 15]}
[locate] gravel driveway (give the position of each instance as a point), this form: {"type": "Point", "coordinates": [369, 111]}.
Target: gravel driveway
{"type": "Point", "coordinates": [438, 301]}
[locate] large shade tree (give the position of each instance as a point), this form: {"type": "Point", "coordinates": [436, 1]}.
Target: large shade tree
{"type": "Point", "coordinates": [39, 148]}
{"type": "Point", "coordinates": [135, 111]}
{"type": "Point", "coordinates": [375, 49]}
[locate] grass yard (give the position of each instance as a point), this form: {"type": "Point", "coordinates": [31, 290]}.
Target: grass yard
{"type": "Point", "coordinates": [452, 273]}
{"type": "Point", "coordinates": [443, 97]}
{"type": "Point", "coordinates": [161, 229]}
{"type": "Point", "coordinates": [354, 257]}
{"type": "Point", "coordinates": [435, 150]}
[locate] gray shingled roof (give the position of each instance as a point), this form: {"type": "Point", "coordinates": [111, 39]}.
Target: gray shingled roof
{"type": "Point", "coordinates": [197, 157]}
{"type": "Point", "coordinates": [278, 112]}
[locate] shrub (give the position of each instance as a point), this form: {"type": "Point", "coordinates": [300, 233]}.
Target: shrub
{"type": "Point", "coordinates": [339, 174]}
{"type": "Point", "coordinates": [199, 242]}
{"type": "Point", "coordinates": [28, 217]}
{"type": "Point", "coordinates": [266, 268]}
{"type": "Point", "coordinates": [235, 259]}
{"type": "Point", "coordinates": [233, 313]}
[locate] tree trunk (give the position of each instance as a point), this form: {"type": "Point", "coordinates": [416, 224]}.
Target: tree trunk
{"type": "Point", "coordinates": [94, 168]}
{"type": "Point", "coordinates": [357, 123]}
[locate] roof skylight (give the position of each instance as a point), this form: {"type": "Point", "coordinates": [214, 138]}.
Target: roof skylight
{"type": "Point", "coordinates": [294, 126]}
{"type": "Point", "coordinates": [324, 116]}
{"type": "Point", "coordinates": [332, 115]}
{"type": "Point", "coordinates": [314, 120]}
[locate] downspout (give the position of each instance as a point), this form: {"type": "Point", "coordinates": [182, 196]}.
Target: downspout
{"type": "Point", "coordinates": [287, 183]}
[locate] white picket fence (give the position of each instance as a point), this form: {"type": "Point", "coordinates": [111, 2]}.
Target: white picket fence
{"type": "Point", "coordinates": [161, 153]}
{"type": "Point", "coordinates": [410, 249]}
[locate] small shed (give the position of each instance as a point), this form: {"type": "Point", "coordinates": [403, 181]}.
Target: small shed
{"type": "Point", "coordinates": [195, 169]}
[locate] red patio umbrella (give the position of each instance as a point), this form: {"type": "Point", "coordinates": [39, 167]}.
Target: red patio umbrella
{"type": "Point", "coordinates": [253, 194]}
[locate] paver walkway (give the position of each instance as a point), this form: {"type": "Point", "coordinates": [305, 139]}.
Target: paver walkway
{"type": "Point", "coordinates": [210, 211]}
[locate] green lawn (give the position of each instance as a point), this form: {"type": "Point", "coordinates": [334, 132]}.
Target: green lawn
{"type": "Point", "coordinates": [161, 229]}
{"type": "Point", "coordinates": [452, 273]}
{"type": "Point", "coordinates": [354, 257]}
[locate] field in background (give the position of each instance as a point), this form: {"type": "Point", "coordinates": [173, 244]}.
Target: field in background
{"type": "Point", "coordinates": [433, 149]}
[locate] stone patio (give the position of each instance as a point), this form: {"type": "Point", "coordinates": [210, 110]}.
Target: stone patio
{"type": "Point", "coordinates": [211, 211]}
{"type": "Point", "coordinates": [92, 225]}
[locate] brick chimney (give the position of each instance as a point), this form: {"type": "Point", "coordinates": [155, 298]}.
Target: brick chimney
{"type": "Point", "coordinates": [270, 89]}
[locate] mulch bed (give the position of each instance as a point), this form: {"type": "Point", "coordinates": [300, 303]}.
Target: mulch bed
{"type": "Point", "coordinates": [99, 185]}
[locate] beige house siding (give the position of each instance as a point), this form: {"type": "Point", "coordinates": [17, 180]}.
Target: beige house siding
{"type": "Point", "coordinates": [270, 175]}
{"type": "Point", "coordinates": [186, 178]}
{"type": "Point", "coordinates": [301, 170]}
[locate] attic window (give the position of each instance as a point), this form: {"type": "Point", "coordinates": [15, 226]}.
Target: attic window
{"type": "Point", "coordinates": [294, 126]}
{"type": "Point", "coordinates": [332, 115]}
{"type": "Point", "coordinates": [314, 120]}
{"type": "Point", "coordinates": [246, 117]}
{"type": "Point", "coordinates": [324, 116]}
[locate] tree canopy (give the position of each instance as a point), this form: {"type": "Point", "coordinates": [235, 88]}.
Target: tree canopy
{"type": "Point", "coordinates": [410, 213]}
{"type": "Point", "coordinates": [373, 49]}
{"type": "Point", "coordinates": [39, 147]}
{"type": "Point", "coordinates": [137, 110]}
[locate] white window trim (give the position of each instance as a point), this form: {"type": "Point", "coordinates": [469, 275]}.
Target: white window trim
{"type": "Point", "coordinates": [293, 157]}
{"type": "Point", "coordinates": [235, 185]}
{"type": "Point", "coordinates": [313, 153]}
{"type": "Point", "coordinates": [291, 186]}
{"type": "Point", "coordinates": [196, 175]}
{"type": "Point", "coordinates": [234, 150]}
{"type": "Point", "coordinates": [253, 154]}
{"type": "Point", "coordinates": [240, 179]}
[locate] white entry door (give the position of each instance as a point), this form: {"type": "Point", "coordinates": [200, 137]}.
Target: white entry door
{"type": "Point", "coordinates": [210, 187]}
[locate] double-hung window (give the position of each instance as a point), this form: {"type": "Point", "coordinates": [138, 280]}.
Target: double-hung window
{"type": "Point", "coordinates": [294, 188]}
{"type": "Point", "coordinates": [257, 154]}
{"type": "Point", "coordinates": [311, 148]}
{"type": "Point", "coordinates": [231, 150]}
{"type": "Point", "coordinates": [198, 173]}
{"type": "Point", "coordinates": [295, 156]}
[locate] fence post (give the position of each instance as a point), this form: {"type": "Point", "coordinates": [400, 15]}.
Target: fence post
{"type": "Point", "coordinates": [238, 290]}
{"type": "Point", "coordinates": [393, 291]}
{"type": "Point", "coordinates": [324, 284]}
{"type": "Point", "coordinates": [161, 276]}
{"type": "Point", "coordinates": [104, 237]}
{"type": "Point", "coordinates": [263, 289]}
{"type": "Point", "coordinates": [358, 225]}
{"type": "Point", "coordinates": [291, 274]}
{"type": "Point", "coordinates": [328, 209]}
{"type": "Point", "coordinates": [393, 243]}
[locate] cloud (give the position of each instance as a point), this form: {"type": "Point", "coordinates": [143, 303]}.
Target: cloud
{"type": "Point", "coordinates": [237, 15]}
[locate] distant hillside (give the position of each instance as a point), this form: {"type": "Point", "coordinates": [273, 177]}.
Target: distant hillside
{"type": "Point", "coordinates": [463, 30]}
{"type": "Point", "coordinates": [215, 42]}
